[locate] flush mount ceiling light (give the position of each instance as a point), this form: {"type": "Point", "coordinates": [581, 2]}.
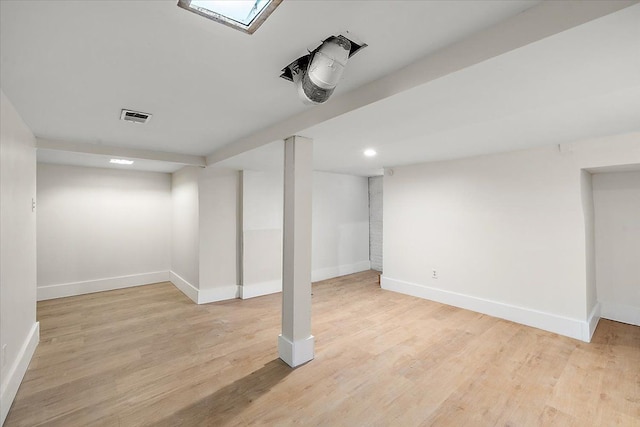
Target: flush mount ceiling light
{"type": "Point", "coordinates": [243, 15]}
{"type": "Point", "coordinates": [317, 74]}
{"type": "Point", "coordinates": [370, 152]}
{"type": "Point", "coordinates": [121, 161]}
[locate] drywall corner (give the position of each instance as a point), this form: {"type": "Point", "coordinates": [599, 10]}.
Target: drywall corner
{"type": "Point", "coordinates": [586, 189]}
{"type": "Point", "coordinates": [185, 230]}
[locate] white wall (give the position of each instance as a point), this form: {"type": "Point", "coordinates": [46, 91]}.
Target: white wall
{"type": "Point", "coordinates": [262, 200]}
{"type": "Point", "coordinates": [185, 230]}
{"type": "Point", "coordinates": [340, 228]}
{"type": "Point", "coordinates": [506, 233]}
{"type": "Point", "coordinates": [497, 227]}
{"type": "Point", "coordinates": [101, 229]}
{"type": "Point", "coordinates": [617, 231]}
{"type": "Point", "coordinates": [340, 225]}
{"type": "Point", "coordinates": [18, 327]}
{"type": "Point", "coordinates": [262, 214]}
{"type": "Point", "coordinates": [375, 222]}
{"type": "Point", "coordinates": [586, 185]}
{"type": "Point", "coordinates": [219, 209]}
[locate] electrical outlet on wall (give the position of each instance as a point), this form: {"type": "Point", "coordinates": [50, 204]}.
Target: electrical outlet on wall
{"type": "Point", "coordinates": [434, 274]}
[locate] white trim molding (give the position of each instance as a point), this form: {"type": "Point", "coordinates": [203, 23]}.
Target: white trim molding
{"type": "Point", "coordinates": [573, 328]}
{"type": "Point", "coordinates": [296, 353]}
{"type": "Point", "coordinates": [90, 286]}
{"type": "Point", "coordinates": [15, 374]}
{"type": "Point", "coordinates": [219, 293]}
{"type": "Point", "coordinates": [253, 290]}
{"type": "Point", "coordinates": [339, 270]}
{"type": "Point", "coordinates": [204, 296]}
{"type": "Point", "coordinates": [185, 287]}
{"type": "Point", "coordinates": [620, 313]}
{"type": "Point", "coordinates": [592, 321]}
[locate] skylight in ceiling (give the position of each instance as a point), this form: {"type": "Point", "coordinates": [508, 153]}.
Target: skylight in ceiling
{"type": "Point", "coordinates": [244, 15]}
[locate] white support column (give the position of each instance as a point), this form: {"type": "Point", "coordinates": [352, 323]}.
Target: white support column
{"type": "Point", "coordinates": [296, 344]}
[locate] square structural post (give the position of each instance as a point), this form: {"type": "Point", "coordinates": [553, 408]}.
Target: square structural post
{"type": "Point", "coordinates": [296, 344]}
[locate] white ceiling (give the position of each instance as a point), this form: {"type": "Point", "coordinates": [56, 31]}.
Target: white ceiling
{"type": "Point", "coordinates": [69, 67]}
{"type": "Point", "coordinates": [579, 84]}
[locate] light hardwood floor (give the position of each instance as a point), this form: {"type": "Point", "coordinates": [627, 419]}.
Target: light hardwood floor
{"type": "Point", "coordinates": [149, 356]}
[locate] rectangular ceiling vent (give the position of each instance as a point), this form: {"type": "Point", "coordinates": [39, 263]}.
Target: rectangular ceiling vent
{"type": "Point", "coordinates": [134, 116]}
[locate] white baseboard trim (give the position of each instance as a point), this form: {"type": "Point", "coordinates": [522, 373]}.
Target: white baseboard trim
{"type": "Point", "coordinates": [274, 286]}
{"type": "Point", "coordinates": [253, 290]}
{"type": "Point", "coordinates": [204, 296]}
{"type": "Point", "coordinates": [592, 321]}
{"type": "Point", "coordinates": [339, 270]}
{"type": "Point", "coordinates": [223, 293]}
{"type": "Point", "coordinates": [296, 353]}
{"type": "Point", "coordinates": [620, 312]}
{"type": "Point", "coordinates": [185, 287]}
{"type": "Point", "coordinates": [15, 374]}
{"type": "Point", "coordinates": [574, 328]}
{"type": "Point", "coordinates": [100, 285]}
{"type": "Point", "coordinates": [220, 293]}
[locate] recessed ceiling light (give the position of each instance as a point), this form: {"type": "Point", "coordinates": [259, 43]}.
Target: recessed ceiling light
{"type": "Point", "coordinates": [121, 161]}
{"type": "Point", "coordinates": [370, 152]}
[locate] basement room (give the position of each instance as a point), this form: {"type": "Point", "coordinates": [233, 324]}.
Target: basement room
{"type": "Point", "coordinates": [325, 213]}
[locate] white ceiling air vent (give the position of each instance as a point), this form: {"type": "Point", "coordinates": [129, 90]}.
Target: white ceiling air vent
{"type": "Point", "coordinates": [134, 116]}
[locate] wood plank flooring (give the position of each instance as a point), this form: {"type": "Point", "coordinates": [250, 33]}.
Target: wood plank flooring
{"type": "Point", "coordinates": [149, 356]}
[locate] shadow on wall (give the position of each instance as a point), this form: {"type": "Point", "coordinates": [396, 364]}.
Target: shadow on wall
{"type": "Point", "coordinates": [227, 403]}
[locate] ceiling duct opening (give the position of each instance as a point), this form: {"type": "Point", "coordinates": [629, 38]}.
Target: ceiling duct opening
{"type": "Point", "coordinates": [317, 74]}
{"type": "Point", "coordinates": [134, 116]}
